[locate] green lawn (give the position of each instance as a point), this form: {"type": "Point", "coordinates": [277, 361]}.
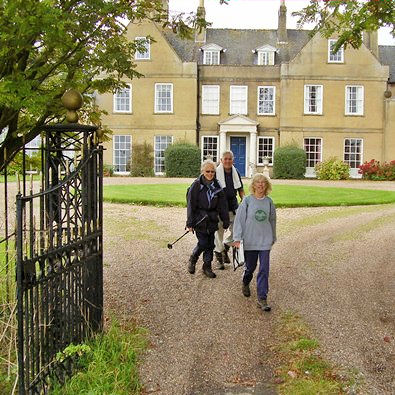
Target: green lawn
{"type": "Point", "coordinates": [12, 178]}
{"type": "Point", "coordinates": [282, 195]}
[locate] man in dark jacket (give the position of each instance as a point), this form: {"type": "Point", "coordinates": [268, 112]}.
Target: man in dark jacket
{"type": "Point", "coordinates": [205, 203]}
{"type": "Point", "coordinates": [230, 180]}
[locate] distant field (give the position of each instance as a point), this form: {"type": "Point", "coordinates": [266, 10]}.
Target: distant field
{"type": "Point", "coordinates": [282, 195]}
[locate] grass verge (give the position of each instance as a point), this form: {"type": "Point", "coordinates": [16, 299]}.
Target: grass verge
{"type": "Point", "coordinates": [108, 364]}
{"type": "Point", "coordinates": [282, 195]}
{"type": "Point", "coordinates": [364, 229]}
{"type": "Point", "coordinates": [303, 370]}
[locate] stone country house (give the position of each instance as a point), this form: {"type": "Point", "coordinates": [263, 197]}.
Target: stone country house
{"type": "Point", "coordinates": [252, 90]}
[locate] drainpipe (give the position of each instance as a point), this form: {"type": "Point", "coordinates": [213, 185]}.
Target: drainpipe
{"type": "Point", "coordinates": [198, 107]}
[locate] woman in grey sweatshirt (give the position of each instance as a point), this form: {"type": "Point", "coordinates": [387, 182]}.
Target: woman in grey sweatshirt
{"type": "Point", "coordinates": [255, 225]}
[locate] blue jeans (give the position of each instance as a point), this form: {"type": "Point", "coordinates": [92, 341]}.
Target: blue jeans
{"type": "Point", "coordinates": [262, 281]}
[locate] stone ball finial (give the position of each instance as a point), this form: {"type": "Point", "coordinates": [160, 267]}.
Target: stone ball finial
{"type": "Point", "coordinates": [387, 94]}
{"type": "Point", "coordinates": [72, 100]}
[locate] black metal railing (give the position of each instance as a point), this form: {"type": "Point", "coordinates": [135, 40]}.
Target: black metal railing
{"type": "Point", "coordinates": [59, 255]}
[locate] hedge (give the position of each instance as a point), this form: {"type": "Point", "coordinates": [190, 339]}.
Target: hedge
{"type": "Point", "coordinates": [289, 162]}
{"type": "Point", "coordinates": [182, 160]}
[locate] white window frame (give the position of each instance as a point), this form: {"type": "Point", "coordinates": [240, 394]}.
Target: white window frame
{"type": "Point", "coordinates": [260, 162]}
{"type": "Point", "coordinates": [263, 58]}
{"type": "Point", "coordinates": [214, 158]}
{"type": "Point", "coordinates": [313, 152]}
{"type": "Point", "coordinates": [120, 149]}
{"type": "Point", "coordinates": [245, 110]}
{"type": "Point", "coordinates": [159, 173]}
{"type": "Point", "coordinates": [266, 58]}
{"type": "Point", "coordinates": [274, 100]}
{"type": "Point", "coordinates": [208, 57]}
{"type": "Point", "coordinates": [143, 55]}
{"type": "Point", "coordinates": [336, 54]}
{"type": "Point", "coordinates": [115, 98]}
{"type": "Point", "coordinates": [156, 110]}
{"type": "Point", "coordinates": [361, 100]}
{"type": "Point", "coordinates": [319, 101]}
{"type": "Point", "coordinates": [353, 153]}
{"type": "Point", "coordinates": [207, 104]}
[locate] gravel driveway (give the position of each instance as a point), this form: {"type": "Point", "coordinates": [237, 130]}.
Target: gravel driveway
{"type": "Point", "coordinates": [333, 266]}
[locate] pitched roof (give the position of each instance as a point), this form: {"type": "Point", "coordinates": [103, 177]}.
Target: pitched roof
{"type": "Point", "coordinates": [387, 57]}
{"type": "Point", "coordinates": [239, 44]}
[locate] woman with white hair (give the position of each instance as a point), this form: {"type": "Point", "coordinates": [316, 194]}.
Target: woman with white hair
{"type": "Point", "coordinates": [255, 225]}
{"type": "Point", "coordinates": [205, 203]}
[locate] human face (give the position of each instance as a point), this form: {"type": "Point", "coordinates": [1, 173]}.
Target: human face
{"type": "Point", "coordinates": [227, 162]}
{"type": "Point", "coordinates": [209, 172]}
{"type": "Point", "coordinates": [260, 188]}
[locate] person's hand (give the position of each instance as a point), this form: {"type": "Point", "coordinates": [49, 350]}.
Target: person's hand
{"type": "Point", "coordinates": [190, 229]}
{"type": "Point", "coordinates": [236, 244]}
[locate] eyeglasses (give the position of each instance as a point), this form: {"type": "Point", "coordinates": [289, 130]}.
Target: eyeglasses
{"type": "Point", "coordinates": [209, 171]}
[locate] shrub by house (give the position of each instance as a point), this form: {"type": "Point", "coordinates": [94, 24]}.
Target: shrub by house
{"type": "Point", "coordinates": [289, 162]}
{"type": "Point", "coordinates": [332, 169]}
{"type": "Point", "coordinates": [142, 162]}
{"type": "Point", "coordinates": [182, 160]}
{"type": "Point", "coordinates": [374, 170]}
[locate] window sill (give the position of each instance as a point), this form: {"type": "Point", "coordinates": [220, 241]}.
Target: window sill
{"type": "Point", "coordinates": [163, 113]}
{"type": "Point", "coordinates": [333, 62]}
{"type": "Point", "coordinates": [209, 115]}
{"type": "Point", "coordinates": [122, 112]}
{"type": "Point", "coordinates": [122, 173]}
{"type": "Point", "coordinates": [354, 115]}
{"type": "Point", "coordinates": [266, 115]}
{"type": "Point", "coordinates": [143, 60]}
{"type": "Point", "coordinates": [314, 114]}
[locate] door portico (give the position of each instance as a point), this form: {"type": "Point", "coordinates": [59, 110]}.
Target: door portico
{"type": "Point", "coordinates": [240, 126]}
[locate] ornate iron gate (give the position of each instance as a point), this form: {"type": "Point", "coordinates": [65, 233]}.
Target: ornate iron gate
{"type": "Point", "coordinates": [59, 255]}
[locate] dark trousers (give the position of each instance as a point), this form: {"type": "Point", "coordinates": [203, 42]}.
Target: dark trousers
{"type": "Point", "coordinates": [262, 281]}
{"type": "Point", "coordinates": [205, 245]}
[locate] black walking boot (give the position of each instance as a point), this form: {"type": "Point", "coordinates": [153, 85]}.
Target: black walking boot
{"type": "Point", "coordinates": [192, 264]}
{"type": "Point", "coordinates": [246, 290]}
{"type": "Point", "coordinates": [207, 270]}
{"type": "Point", "coordinates": [225, 253]}
{"type": "Point", "coordinates": [220, 262]}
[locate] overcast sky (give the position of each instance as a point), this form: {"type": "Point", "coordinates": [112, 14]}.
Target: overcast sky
{"type": "Point", "coordinates": [253, 14]}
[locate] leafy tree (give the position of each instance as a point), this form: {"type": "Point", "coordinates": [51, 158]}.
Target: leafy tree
{"type": "Point", "coordinates": [48, 46]}
{"type": "Point", "coordinates": [348, 18]}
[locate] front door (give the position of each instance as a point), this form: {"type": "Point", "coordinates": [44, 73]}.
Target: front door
{"type": "Point", "coordinates": [238, 147]}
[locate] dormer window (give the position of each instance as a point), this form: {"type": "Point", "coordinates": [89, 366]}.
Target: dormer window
{"type": "Point", "coordinates": [211, 57]}
{"type": "Point", "coordinates": [263, 58]}
{"type": "Point", "coordinates": [266, 55]}
{"type": "Point", "coordinates": [212, 54]}
{"type": "Point", "coordinates": [335, 57]}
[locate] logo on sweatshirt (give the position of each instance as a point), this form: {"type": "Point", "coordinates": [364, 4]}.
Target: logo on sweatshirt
{"type": "Point", "coordinates": [260, 216]}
